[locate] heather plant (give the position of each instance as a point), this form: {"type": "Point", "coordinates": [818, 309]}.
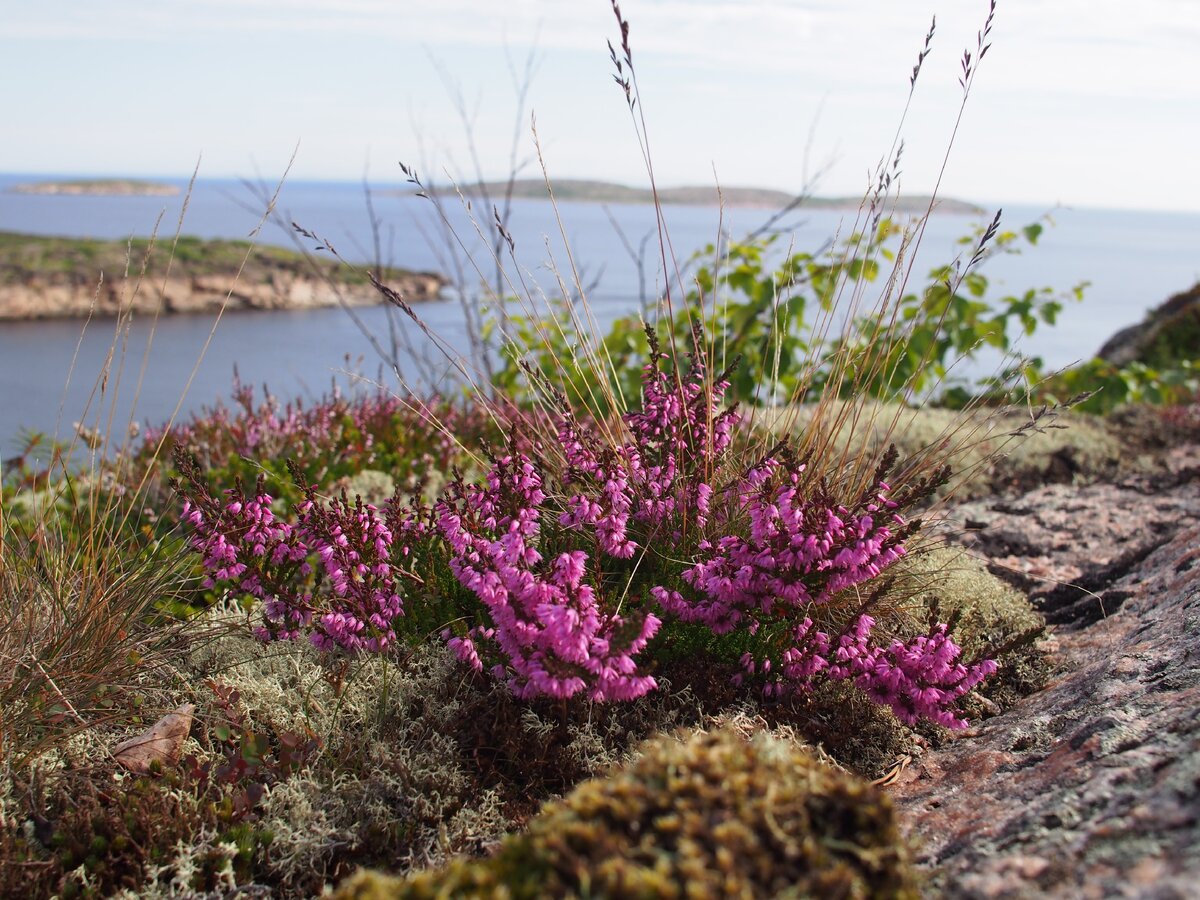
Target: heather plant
{"type": "Point", "coordinates": [336, 573]}
{"type": "Point", "coordinates": [634, 525]}
{"type": "Point", "coordinates": [569, 578]}
{"type": "Point", "coordinates": [577, 580]}
{"type": "Point", "coordinates": [335, 437]}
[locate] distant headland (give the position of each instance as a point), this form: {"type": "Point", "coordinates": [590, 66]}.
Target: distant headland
{"type": "Point", "coordinates": [586, 191]}
{"type": "Point", "coordinates": [99, 187]}
{"type": "Point", "coordinates": [54, 278]}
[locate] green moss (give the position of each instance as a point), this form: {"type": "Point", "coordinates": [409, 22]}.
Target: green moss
{"type": "Point", "coordinates": [990, 618]}
{"type": "Point", "coordinates": [990, 455]}
{"type": "Point", "coordinates": [716, 815]}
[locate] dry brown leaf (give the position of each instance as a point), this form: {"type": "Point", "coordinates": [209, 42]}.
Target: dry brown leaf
{"type": "Point", "coordinates": [162, 742]}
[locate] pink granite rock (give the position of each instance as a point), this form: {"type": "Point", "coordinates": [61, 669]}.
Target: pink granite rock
{"type": "Point", "coordinates": [1090, 787]}
{"type": "Point", "coordinates": [1067, 545]}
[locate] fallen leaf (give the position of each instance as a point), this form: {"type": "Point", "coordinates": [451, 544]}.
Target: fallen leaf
{"type": "Point", "coordinates": [162, 742]}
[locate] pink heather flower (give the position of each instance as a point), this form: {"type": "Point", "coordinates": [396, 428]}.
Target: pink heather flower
{"type": "Point", "coordinates": [243, 543]}
{"type": "Point", "coordinates": [546, 621]}
{"type": "Point", "coordinates": [800, 551]}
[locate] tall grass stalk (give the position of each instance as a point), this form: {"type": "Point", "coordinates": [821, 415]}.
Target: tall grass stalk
{"type": "Point", "coordinates": [810, 435]}
{"type": "Point", "coordinates": [843, 403]}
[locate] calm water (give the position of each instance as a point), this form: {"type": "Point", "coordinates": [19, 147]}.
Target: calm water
{"type": "Point", "coordinates": [1133, 259]}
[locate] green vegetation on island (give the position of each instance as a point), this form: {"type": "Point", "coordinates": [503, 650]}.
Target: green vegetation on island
{"type": "Point", "coordinates": [24, 257]}
{"type": "Point", "coordinates": [588, 191]}
{"type": "Point", "coordinates": [56, 277]}
{"type": "Point", "coordinates": [99, 187]}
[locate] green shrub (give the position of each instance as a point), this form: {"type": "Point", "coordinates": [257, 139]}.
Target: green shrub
{"type": "Point", "coordinates": [1101, 386]}
{"type": "Point", "coordinates": [776, 317]}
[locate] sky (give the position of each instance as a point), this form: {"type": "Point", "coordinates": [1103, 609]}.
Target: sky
{"type": "Point", "coordinates": [1086, 103]}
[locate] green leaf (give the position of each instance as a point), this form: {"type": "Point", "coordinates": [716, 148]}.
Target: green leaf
{"type": "Point", "coordinates": [976, 283]}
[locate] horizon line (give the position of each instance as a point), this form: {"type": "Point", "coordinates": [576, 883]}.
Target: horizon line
{"type": "Point", "coordinates": [1049, 207]}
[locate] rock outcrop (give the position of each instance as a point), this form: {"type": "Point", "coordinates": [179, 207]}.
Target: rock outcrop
{"type": "Point", "coordinates": [1170, 332]}
{"type": "Point", "coordinates": [50, 277]}
{"type": "Point", "coordinates": [200, 294]}
{"type": "Point", "coordinates": [1090, 787]}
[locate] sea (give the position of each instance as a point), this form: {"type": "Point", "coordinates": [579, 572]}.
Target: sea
{"type": "Point", "coordinates": [56, 373]}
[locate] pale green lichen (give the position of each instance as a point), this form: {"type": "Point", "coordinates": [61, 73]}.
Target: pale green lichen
{"type": "Point", "coordinates": [371, 485]}
{"type": "Point", "coordinates": [991, 449]}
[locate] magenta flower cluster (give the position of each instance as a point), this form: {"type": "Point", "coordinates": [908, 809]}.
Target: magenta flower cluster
{"type": "Point", "coordinates": [661, 477]}
{"type": "Point", "coordinates": [920, 679]}
{"type": "Point", "coordinates": [763, 551]}
{"type": "Point", "coordinates": [800, 550]}
{"type": "Point", "coordinates": [254, 428]}
{"type": "Point", "coordinates": [555, 637]}
{"type": "Point", "coordinates": [356, 598]}
{"type": "Point", "coordinates": [244, 545]}
{"type": "Point", "coordinates": [338, 434]}
{"type": "Point", "coordinates": [567, 581]}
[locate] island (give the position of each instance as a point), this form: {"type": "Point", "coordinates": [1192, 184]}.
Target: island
{"type": "Point", "coordinates": [54, 277]}
{"type": "Point", "coordinates": [586, 191]}
{"type": "Point", "coordinates": [99, 187]}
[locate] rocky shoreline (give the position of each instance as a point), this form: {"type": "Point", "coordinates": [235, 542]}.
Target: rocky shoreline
{"type": "Point", "coordinates": [56, 278]}
{"type": "Point", "coordinates": [205, 294]}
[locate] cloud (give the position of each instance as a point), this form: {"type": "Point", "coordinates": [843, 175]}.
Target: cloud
{"type": "Point", "coordinates": [1084, 86]}
{"type": "Point", "coordinates": [703, 30]}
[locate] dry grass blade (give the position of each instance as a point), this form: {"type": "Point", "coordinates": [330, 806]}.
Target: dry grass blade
{"type": "Point", "coordinates": [80, 619]}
